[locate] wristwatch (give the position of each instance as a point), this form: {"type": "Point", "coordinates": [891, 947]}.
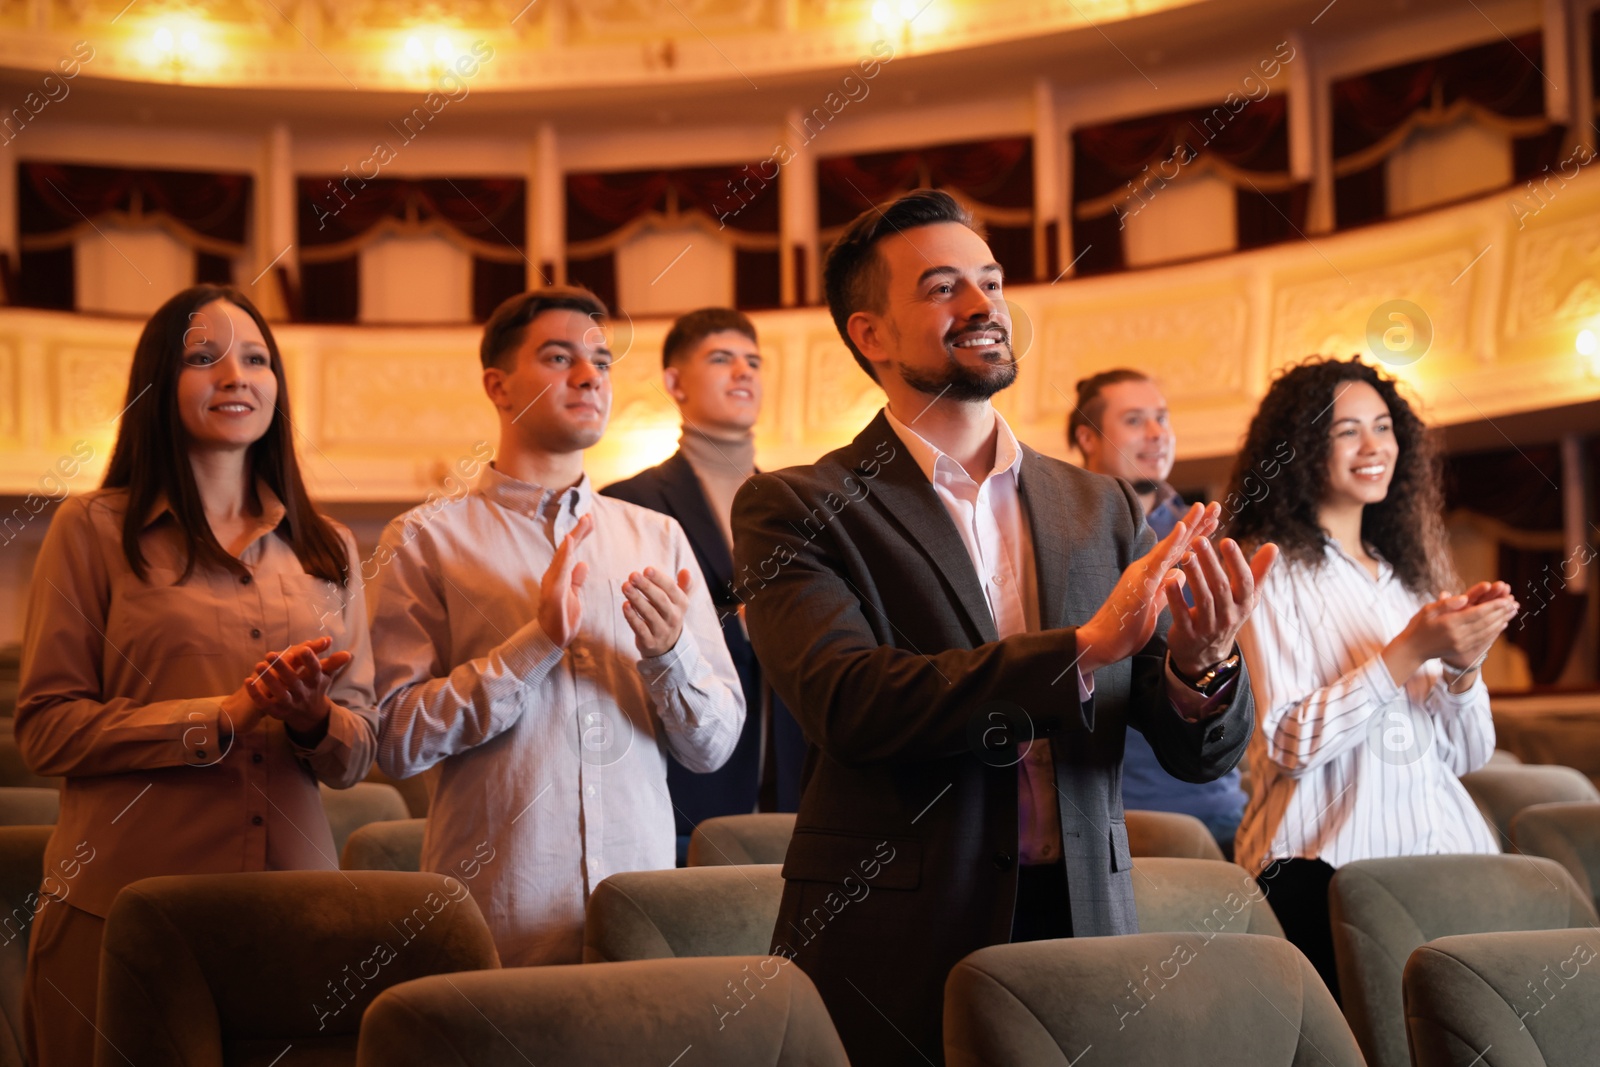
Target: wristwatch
{"type": "Point", "coordinates": [1213, 678]}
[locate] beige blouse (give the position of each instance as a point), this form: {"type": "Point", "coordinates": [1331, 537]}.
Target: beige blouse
{"type": "Point", "coordinates": [121, 690]}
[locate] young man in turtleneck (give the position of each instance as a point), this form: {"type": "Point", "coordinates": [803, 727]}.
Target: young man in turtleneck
{"type": "Point", "coordinates": [712, 369]}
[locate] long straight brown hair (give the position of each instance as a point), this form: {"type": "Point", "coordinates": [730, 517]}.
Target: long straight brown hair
{"type": "Point", "coordinates": [151, 456]}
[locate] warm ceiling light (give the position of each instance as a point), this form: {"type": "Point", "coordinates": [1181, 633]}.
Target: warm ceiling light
{"type": "Point", "coordinates": [1587, 345]}
{"type": "Point", "coordinates": [443, 49]}
{"type": "Point", "coordinates": [163, 39]}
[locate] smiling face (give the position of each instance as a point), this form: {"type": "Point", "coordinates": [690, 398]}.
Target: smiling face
{"type": "Point", "coordinates": [1362, 448]}
{"type": "Point", "coordinates": [1135, 439]}
{"type": "Point", "coordinates": [717, 383]}
{"type": "Point", "coordinates": [227, 389]}
{"type": "Point", "coordinates": [944, 329]}
{"type": "Point", "coordinates": [554, 390]}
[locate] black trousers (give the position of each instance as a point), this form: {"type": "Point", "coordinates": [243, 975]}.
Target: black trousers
{"type": "Point", "coordinates": [1297, 889]}
{"type": "Point", "coordinates": [1042, 912]}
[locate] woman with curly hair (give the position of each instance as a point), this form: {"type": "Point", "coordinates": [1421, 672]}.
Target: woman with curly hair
{"type": "Point", "coordinates": [1365, 665]}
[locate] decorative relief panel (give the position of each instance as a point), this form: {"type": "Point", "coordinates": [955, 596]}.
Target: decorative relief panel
{"type": "Point", "coordinates": [840, 398]}
{"type": "Point", "coordinates": [91, 390]}
{"type": "Point", "coordinates": [10, 394]}
{"type": "Point", "coordinates": [1555, 276]}
{"type": "Point", "coordinates": [1196, 348]}
{"type": "Point", "coordinates": [400, 399]}
{"type": "Point", "coordinates": [1329, 316]}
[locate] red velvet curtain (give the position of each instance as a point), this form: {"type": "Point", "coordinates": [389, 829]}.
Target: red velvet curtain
{"type": "Point", "coordinates": [1519, 488]}
{"type": "Point", "coordinates": [341, 209]}
{"type": "Point", "coordinates": [1125, 155]}
{"type": "Point", "coordinates": [996, 176]}
{"type": "Point", "coordinates": [1504, 77]}
{"type": "Point", "coordinates": [740, 197]}
{"type": "Point", "coordinates": [54, 199]}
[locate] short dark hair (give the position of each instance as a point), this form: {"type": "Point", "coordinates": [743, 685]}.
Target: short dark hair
{"type": "Point", "coordinates": [503, 332]}
{"type": "Point", "coordinates": [1090, 406]}
{"type": "Point", "coordinates": [853, 276]}
{"type": "Point", "coordinates": [689, 330]}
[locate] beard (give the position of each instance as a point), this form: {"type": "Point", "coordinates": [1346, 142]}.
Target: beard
{"type": "Point", "coordinates": [960, 382]}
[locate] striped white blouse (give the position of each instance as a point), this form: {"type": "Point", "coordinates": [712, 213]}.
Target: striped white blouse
{"type": "Point", "coordinates": [1345, 765]}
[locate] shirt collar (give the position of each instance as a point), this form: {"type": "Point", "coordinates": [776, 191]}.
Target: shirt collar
{"type": "Point", "coordinates": [1336, 551]}
{"type": "Point", "coordinates": [1007, 452]}
{"type": "Point", "coordinates": [526, 498]}
{"type": "Point", "coordinates": [272, 509]}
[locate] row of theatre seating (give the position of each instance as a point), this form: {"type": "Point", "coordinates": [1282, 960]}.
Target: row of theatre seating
{"type": "Point", "coordinates": [1444, 960]}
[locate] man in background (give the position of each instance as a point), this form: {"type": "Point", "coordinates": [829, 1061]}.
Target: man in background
{"type": "Point", "coordinates": [711, 367]}
{"type": "Point", "coordinates": [1120, 426]}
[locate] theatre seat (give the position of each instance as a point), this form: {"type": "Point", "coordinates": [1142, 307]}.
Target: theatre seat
{"type": "Point", "coordinates": [1169, 833]}
{"type": "Point", "coordinates": [362, 803]}
{"type": "Point", "coordinates": [236, 968]}
{"type": "Point", "coordinates": [732, 1011]}
{"type": "Point", "coordinates": [691, 911]}
{"type": "Point", "coordinates": [1383, 910]}
{"type": "Point", "coordinates": [1200, 896]}
{"type": "Point", "coordinates": [24, 806]}
{"type": "Point", "coordinates": [1532, 997]}
{"type": "Point", "coordinates": [385, 846]}
{"type": "Point", "coordinates": [1503, 790]}
{"type": "Point", "coordinates": [413, 789]}
{"type": "Point", "coordinates": [1177, 1001]}
{"type": "Point", "coordinates": [13, 772]}
{"type": "Point", "coordinates": [21, 874]}
{"type": "Point", "coordinates": [740, 839]}
{"type": "Point", "coordinates": [1566, 833]}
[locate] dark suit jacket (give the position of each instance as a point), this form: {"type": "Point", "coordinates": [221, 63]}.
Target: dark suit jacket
{"type": "Point", "coordinates": [870, 622]}
{"type": "Point", "coordinates": [673, 489]}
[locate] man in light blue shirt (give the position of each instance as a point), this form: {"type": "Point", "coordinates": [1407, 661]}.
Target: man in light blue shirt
{"type": "Point", "coordinates": [1119, 424]}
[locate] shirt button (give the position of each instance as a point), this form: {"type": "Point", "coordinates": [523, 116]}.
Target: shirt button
{"type": "Point", "coordinates": [999, 579]}
{"type": "Point", "coordinates": [589, 790]}
{"type": "Point", "coordinates": [244, 579]}
{"type": "Point", "coordinates": [255, 820]}
{"type": "Point", "coordinates": [255, 632]}
{"type": "Point", "coordinates": [1003, 861]}
{"type": "Point", "coordinates": [257, 758]}
{"type": "Point", "coordinates": [200, 753]}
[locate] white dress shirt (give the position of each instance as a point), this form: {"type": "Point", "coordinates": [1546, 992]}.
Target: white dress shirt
{"type": "Point", "coordinates": [1347, 765]}
{"type": "Point", "coordinates": [553, 762]}
{"type": "Point", "coordinates": [988, 515]}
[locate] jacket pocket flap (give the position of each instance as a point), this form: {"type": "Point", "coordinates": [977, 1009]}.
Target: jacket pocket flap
{"type": "Point", "coordinates": [885, 863]}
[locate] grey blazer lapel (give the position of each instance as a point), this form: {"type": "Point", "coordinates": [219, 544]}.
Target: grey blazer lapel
{"type": "Point", "coordinates": [908, 496]}
{"type": "Point", "coordinates": [1044, 502]}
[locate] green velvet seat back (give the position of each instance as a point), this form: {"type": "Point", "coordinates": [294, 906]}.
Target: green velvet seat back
{"type": "Point", "coordinates": [690, 911]}
{"type": "Point", "coordinates": [1178, 1000]}
{"type": "Point", "coordinates": [1170, 833]}
{"type": "Point", "coordinates": [712, 1012]}
{"type": "Point", "coordinates": [1530, 997]}
{"type": "Point", "coordinates": [1200, 896]}
{"type": "Point", "coordinates": [1383, 910]}
{"type": "Point", "coordinates": [741, 839]}
{"type": "Point", "coordinates": [207, 970]}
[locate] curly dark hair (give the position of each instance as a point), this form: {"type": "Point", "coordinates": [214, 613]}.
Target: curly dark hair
{"type": "Point", "coordinates": [1406, 528]}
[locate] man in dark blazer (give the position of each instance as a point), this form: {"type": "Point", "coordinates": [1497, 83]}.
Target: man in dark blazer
{"type": "Point", "coordinates": [711, 367]}
{"type": "Point", "coordinates": [964, 628]}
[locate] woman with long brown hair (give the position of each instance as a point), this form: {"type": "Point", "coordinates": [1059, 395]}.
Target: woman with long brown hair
{"type": "Point", "coordinates": [1365, 663]}
{"type": "Point", "coordinates": [195, 657]}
